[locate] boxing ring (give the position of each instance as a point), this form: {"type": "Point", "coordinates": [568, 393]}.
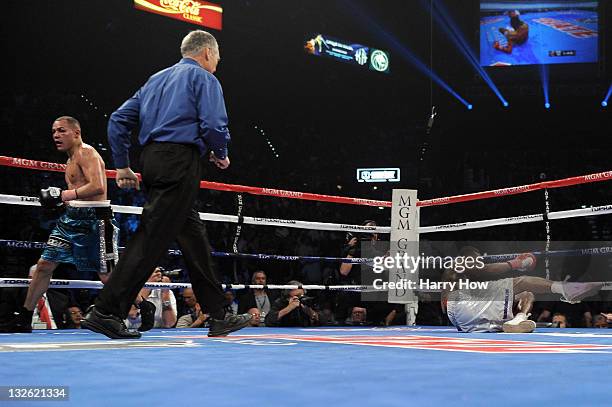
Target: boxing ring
{"type": "Point", "coordinates": [340, 366]}
{"type": "Point", "coordinates": [345, 366]}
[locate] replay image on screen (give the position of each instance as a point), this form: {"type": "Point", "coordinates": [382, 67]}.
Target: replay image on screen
{"type": "Point", "coordinates": [535, 32]}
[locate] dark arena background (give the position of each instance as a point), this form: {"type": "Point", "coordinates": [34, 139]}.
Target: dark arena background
{"type": "Point", "coordinates": [495, 112]}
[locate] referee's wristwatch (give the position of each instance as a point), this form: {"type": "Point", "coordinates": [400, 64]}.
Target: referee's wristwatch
{"type": "Point", "coordinates": [166, 305]}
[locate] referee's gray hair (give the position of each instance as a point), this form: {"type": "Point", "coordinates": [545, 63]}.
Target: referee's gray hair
{"type": "Point", "coordinates": [196, 41]}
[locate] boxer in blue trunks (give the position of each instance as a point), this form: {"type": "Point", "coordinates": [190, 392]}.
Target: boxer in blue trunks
{"type": "Point", "coordinates": [85, 234]}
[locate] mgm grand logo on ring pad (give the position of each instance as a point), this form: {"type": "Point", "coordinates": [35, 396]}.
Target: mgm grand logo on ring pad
{"type": "Point", "coordinates": [56, 241]}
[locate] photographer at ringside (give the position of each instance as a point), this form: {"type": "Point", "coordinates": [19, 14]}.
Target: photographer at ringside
{"type": "Point", "coordinates": [293, 309]}
{"type": "Point", "coordinates": [349, 273]}
{"type": "Point", "coordinates": [165, 311]}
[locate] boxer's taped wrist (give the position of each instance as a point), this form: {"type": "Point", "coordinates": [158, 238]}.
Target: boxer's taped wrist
{"type": "Point", "coordinates": [69, 195]}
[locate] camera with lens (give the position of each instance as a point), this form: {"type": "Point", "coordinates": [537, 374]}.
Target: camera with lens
{"type": "Point", "coordinates": [170, 273]}
{"type": "Point", "coordinates": [361, 236]}
{"type": "Point", "coordinates": [305, 300]}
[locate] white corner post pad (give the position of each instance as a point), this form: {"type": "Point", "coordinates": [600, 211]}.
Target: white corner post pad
{"type": "Point", "coordinates": [405, 245]}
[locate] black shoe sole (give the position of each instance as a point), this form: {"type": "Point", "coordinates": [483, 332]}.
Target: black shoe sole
{"type": "Point", "coordinates": [226, 331]}
{"type": "Point", "coordinates": [92, 326]}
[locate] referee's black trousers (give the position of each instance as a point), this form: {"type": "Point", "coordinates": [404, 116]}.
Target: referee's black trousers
{"type": "Point", "coordinates": [171, 177]}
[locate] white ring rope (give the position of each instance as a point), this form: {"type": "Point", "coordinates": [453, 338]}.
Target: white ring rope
{"type": "Point", "coordinates": [215, 217]}
{"type": "Point", "coordinates": [298, 224]}
{"type": "Point", "coordinates": [96, 285]}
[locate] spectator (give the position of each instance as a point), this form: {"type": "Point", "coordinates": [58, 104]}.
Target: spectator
{"type": "Point", "coordinates": [231, 307]}
{"type": "Point", "coordinates": [189, 302]}
{"type": "Point", "coordinates": [352, 273]}
{"type": "Point", "coordinates": [559, 321]}
{"type": "Point", "coordinates": [73, 316]}
{"type": "Point", "coordinates": [261, 299]}
{"type": "Point", "coordinates": [290, 310]}
{"type": "Point", "coordinates": [358, 317]}
{"type": "Point", "coordinates": [576, 315]}
{"type": "Point", "coordinates": [600, 321]}
{"type": "Point", "coordinates": [163, 299]}
{"type": "Point", "coordinates": [197, 319]}
{"type": "Point", "coordinates": [256, 320]}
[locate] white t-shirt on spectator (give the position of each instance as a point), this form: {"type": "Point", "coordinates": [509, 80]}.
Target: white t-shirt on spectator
{"type": "Point", "coordinates": [156, 298]}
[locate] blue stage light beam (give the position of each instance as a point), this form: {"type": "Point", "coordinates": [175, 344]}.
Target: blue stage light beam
{"type": "Point", "coordinates": [443, 18]}
{"type": "Point", "coordinates": [544, 76]}
{"type": "Point", "coordinates": [402, 50]}
{"type": "Point", "coordinates": [604, 103]}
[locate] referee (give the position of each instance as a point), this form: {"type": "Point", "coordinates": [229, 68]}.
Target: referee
{"type": "Point", "coordinates": [181, 115]}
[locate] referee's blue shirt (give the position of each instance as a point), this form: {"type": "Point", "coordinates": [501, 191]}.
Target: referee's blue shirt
{"type": "Point", "coordinates": [180, 104]}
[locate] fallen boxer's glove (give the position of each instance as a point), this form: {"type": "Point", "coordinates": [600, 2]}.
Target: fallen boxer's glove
{"type": "Point", "coordinates": [523, 262]}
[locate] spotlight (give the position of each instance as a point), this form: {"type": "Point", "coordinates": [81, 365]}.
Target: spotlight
{"type": "Point", "coordinates": [505, 104]}
{"type": "Point", "coordinates": [470, 107]}
{"type": "Point", "coordinates": [604, 103]}
{"type": "Point", "coordinates": [544, 77]}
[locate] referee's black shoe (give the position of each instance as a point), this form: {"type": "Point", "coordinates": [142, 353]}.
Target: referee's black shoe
{"type": "Point", "coordinates": [231, 323]}
{"type": "Point", "coordinates": [21, 322]}
{"type": "Point", "coordinates": [108, 325]}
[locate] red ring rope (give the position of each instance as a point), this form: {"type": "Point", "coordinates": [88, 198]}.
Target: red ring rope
{"type": "Point", "coordinates": [279, 193]}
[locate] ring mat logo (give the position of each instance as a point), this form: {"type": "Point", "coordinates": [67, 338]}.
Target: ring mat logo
{"type": "Point", "coordinates": [438, 343]}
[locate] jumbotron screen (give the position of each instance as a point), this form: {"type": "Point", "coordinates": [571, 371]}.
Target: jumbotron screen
{"type": "Point", "coordinates": [534, 32]}
{"type": "Point", "coordinates": [349, 52]}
